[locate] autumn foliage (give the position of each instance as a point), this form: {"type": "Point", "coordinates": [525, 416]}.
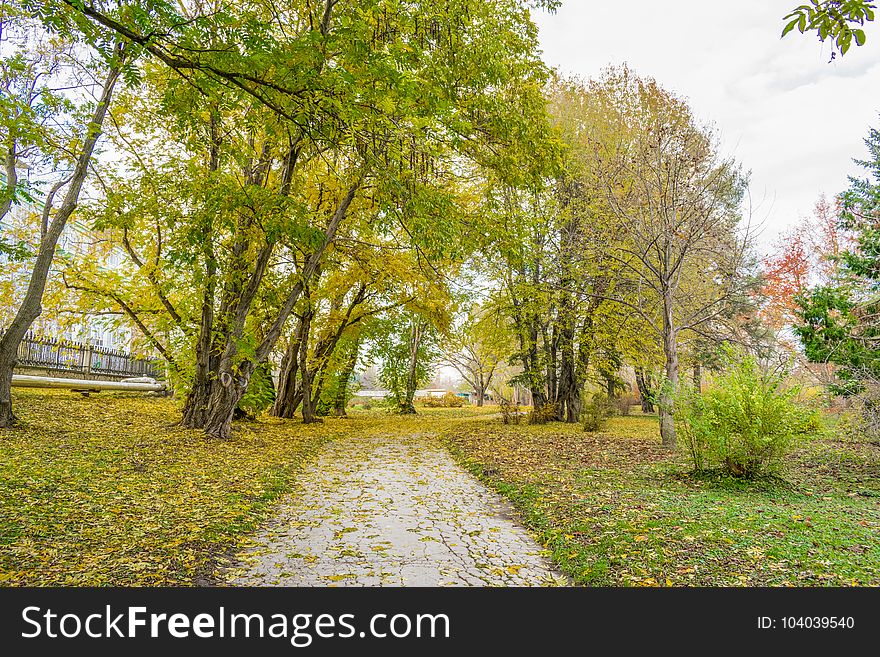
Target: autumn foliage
{"type": "Point", "coordinates": [802, 256]}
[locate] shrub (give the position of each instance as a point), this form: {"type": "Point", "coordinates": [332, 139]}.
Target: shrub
{"type": "Point", "coordinates": [596, 411]}
{"type": "Point", "coordinates": [448, 400]}
{"type": "Point", "coordinates": [260, 393]}
{"type": "Point", "coordinates": [509, 411]}
{"type": "Point", "coordinates": [744, 422]}
{"type": "Point", "coordinates": [544, 414]}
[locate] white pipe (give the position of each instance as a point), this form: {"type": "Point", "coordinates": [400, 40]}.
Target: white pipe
{"type": "Point", "coordinates": [138, 385]}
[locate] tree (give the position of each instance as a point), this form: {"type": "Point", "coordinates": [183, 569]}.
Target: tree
{"type": "Point", "coordinates": [805, 255]}
{"type": "Point", "coordinates": [405, 347]}
{"type": "Point", "coordinates": [394, 100]}
{"type": "Point", "coordinates": [676, 202]}
{"type": "Point", "coordinates": [476, 347]}
{"type": "Point", "coordinates": [838, 320]}
{"type": "Point", "coordinates": [842, 20]}
{"type": "Point", "coordinates": [27, 117]}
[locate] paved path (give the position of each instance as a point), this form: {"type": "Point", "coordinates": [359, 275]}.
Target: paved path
{"type": "Point", "coordinates": [394, 511]}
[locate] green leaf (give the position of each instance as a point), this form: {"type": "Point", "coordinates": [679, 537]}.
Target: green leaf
{"type": "Point", "coordinates": [860, 37]}
{"type": "Point", "coordinates": [789, 27]}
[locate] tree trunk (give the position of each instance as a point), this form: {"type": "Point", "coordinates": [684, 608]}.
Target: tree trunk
{"type": "Point", "coordinates": [550, 351]}
{"type": "Point", "coordinates": [669, 387]}
{"type": "Point", "coordinates": [195, 410]}
{"type": "Point", "coordinates": [698, 377]}
{"type": "Point", "coordinates": [532, 367]}
{"type": "Point", "coordinates": [289, 394]}
{"type": "Point", "coordinates": [207, 360]}
{"type": "Point", "coordinates": [644, 383]}
{"type": "Point", "coordinates": [7, 363]}
{"type": "Point", "coordinates": [568, 395]}
{"type": "Point", "coordinates": [407, 407]}
{"type": "Point", "coordinates": [344, 379]}
{"type": "Point", "coordinates": [31, 305]}
{"type": "Point", "coordinates": [225, 395]}
{"type": "Point", "coordinates": [306, 373]}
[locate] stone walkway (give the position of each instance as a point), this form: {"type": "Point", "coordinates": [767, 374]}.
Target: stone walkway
{"type": "Point", "coordinates": [392, 511]}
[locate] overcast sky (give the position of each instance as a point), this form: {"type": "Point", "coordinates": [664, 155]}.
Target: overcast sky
{"type": "Point", "coordinates": [787, 114]}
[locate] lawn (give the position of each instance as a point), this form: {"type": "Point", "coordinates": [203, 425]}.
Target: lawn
{"type": "Point", "coordinates": [106, 490]}
{"type": "Point", "coordinates": [616, 509]}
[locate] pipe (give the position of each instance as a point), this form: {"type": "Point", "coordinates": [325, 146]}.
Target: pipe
{"type": "Point", "coordinates": [136, 385]}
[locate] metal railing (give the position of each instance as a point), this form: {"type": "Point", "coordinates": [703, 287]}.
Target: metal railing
{"type": "Point", "coordinates": [70, 356]}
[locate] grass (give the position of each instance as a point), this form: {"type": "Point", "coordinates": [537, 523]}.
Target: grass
{"type": "Point", "coordinates": [106, 490]}
{"type": "Point", "coordinates": [385, 411]}
{"type": "Point", "coordinates": [616, 509]}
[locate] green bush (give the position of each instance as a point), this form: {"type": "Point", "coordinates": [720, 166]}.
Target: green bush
{"type": "Point", "coordinates": [596, 411]}
{"type": "Point", "coordinates": [744, 422]}
{"type": "Point", "coordinates": [260, 394]}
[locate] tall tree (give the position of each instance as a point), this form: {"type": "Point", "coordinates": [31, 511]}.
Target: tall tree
{"type": "Point", "coordinates": [27, 133]}
{"type": "Point", "coordinates": [838, 320]}
{"type": "Point", "coordinates": [803, 256]}
{"type": "Point", "coordinates": [405, 348]}
{"type": "Point", "coordinates": [676, 201]}
{"type": "Point", "coordinates": [476, 346]}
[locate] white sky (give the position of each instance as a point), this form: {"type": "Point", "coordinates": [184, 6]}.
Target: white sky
{"type": "Point", "coordinates": [793, 119]}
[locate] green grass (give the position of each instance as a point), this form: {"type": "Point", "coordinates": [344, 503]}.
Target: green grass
{"type": "Point", "coordinates": [614, 508]}
{"type": "Point", "coordinates": [106, 490]}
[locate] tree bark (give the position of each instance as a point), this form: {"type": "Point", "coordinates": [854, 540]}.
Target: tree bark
{"type": "Point", "coordinates": [344, 379]}
{"type": "Point", "coordinates": [7, 364]}
{"type": "Point", "coordinates": [289, 394]}
{"type": "Point", "coordinates": [207, 358]}
{"type": "Point", "coordinates": [407, 407]}
{"type": "Point", "coordinates": [644, 383]}
{"type": "Point", "coordinates": [669, 387]}
{"type": "Point", "coordinates": [568, 398]}
{"type": "Point", "coordinates": [306, 374]}
{"type": "Point", "coordinates": [31, 305]}
{"type": "Point", "coordinates": [233, 380]}
{"type": "Point", "coordinates": [9, 164]}
{"type": "Point", "coordinates": [698, 377]}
